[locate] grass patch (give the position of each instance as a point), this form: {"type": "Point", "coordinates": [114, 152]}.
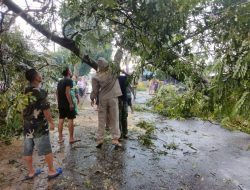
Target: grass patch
{"type": "Point", "coordinates": [88, 184]}
{"type": "Point", "coordinates": [171, 146]}
{"type": "Point", "coordinates": [140, 108]}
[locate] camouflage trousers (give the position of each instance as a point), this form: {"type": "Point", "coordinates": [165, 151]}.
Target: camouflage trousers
{"type": "Point", "coordinates": [123, 117]}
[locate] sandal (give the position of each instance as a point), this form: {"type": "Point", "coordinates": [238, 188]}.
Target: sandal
{"type": "Point", "coordinates": [74, 141]}
{"type": "Point", "coordinates": [58, 172]}
{"type": "Point", "coordinates": [60, 141]}
{"type": "Point", "coordinates": [99, 145]}
{"type": "Point", "coordinates": [37, 172]}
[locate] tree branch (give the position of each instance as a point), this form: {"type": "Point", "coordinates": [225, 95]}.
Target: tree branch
{"type": "Point", "coordinates": [64, 42]}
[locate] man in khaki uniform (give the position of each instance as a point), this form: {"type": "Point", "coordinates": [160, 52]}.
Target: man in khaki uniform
{"type": "Point", "coordinates": [105, 84]}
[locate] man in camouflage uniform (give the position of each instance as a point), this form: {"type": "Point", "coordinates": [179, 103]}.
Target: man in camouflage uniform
{"type": "Point", "coordinates": [105, 85]}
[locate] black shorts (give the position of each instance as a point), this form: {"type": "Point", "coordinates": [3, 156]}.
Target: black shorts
{"type": "Point", "coordinates": [66, 113]}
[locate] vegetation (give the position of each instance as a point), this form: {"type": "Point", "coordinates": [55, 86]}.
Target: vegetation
{"type": "Point", "coordinates": [146, 138]}
{"type": "Point", "coordinates": [191, 103]}
{"type": "Point", "coordinates": [203, 44]}
{"type": "Point", "coordinates": [140, 108]}
{"type": "Point", "coordinates": [141, 86]}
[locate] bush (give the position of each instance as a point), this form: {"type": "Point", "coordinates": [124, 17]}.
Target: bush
{"type": "Point", "coordinates": [169, 102]}
{"type": "Point", "coordinates": [12, 105]}
{"type": "Point", "coordinates": [192, 103]}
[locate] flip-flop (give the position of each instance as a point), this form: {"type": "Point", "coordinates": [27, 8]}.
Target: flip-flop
{"type": "Point", "coordinates": [99, 145]}
{"type": "Point", "coordinates": [117, 144]}
{"type": "Point", "coordinates": [58, 172]}
{"type": "Point", "coordinates": [37, 172]}
{"type": "Point", "coordinates": [74, 141]}
{"type": "Point", "coordinates": [60, 141]}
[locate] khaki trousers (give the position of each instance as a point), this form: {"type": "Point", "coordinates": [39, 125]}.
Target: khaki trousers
{"type": "Point", "coordinates": [108, 114]}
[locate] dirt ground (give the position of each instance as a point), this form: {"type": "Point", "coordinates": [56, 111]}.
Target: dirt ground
{"type": "Point", "coordinates": [187, 155]}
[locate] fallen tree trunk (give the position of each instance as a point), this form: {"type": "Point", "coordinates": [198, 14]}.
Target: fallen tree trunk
{"type": "Point", "coordinates": [64, 42]}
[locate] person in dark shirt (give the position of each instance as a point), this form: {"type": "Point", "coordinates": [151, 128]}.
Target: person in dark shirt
{"type": "Point", "coordinates": [123, 107]}
{"type": "Point", "coordinates": [36, 116]}
{"type": "Point", "coordinates": [66, 105]}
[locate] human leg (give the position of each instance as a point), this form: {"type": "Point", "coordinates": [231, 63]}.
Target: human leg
{"type": "Point", "coordinates": [60, 129]}
{"type": "Point", "coordinates": [44, 149]}
{"type": "Point", "coordinates": [71, 115]}
{"type": "Point", "coordinates": [102, 121]}
{"type": "Point", "coordinates": [29, 163]}
{"type": "Point", "coordinates": [71, 130]}
{"type": "Point", "coordinates": [114, 120]}
{"type": "Point", "coordinates": [62, 116]}
{"type": "Point", "coordinates": [123, 114]}
{"type": "Point", "coordinates": [49, 161]}
{"type": "Point", "coordinates": [28, 151]}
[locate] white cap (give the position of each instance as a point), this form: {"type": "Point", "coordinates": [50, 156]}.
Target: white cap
{"type": "Point", "coordinates": [103, 63]}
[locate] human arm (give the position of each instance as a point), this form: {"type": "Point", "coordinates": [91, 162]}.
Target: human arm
{"type": "Point", "coordinates": [67, 92]}
{"type": "Point", "coordinates": [95, 90]}
{"type": "Point", "coordinates": [48, 116]}
{"type": "Point", "coordinates": [44, 105]}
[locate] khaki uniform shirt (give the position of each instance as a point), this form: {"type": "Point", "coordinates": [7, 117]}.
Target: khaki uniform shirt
{"type": "Point", "coordinates": [106, 85]}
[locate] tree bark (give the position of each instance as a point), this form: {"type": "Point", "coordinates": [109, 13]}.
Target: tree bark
{"type": "Point", "coordinates": [64, 42]}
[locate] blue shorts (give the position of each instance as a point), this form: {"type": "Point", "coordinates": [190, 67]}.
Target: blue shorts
{"type": "Point", "coordinates": [42, 143]}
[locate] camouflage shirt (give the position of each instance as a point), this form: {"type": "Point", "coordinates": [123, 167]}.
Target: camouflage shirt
{"type": "Point", "coordinates": [35, 123]}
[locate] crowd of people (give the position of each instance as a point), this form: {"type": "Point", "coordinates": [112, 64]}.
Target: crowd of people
{"type": "Point", "coordinates": [110, 91]}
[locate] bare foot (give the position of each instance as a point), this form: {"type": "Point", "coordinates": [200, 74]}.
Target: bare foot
{"type": "Point", "coordinates": [32, 173]}
{"type": "Point", "coordinates": [52, 172]}
{"type": "Point", "coordinates": [60, 141]}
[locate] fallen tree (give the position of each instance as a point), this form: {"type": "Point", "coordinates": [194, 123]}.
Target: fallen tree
{"type": "Point", "coordinates": [63, 41]}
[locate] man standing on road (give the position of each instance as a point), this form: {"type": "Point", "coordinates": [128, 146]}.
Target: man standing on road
{"type": "Point", "coordinates": [123, 107]}
{"type": "Point", "coordinates": [65, 105]}
{"type": "Point", "coordinates": [106, 85]}
{"type": "Point", "coordinates": [36, 120]}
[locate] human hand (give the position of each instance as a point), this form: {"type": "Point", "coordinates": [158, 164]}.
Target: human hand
{"type": "Point", "coordinates": [52, 127]}
{"type": "Point", "coordinates": [71, 107]}
{"type": "Point", "coordinates": [92, 103]}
